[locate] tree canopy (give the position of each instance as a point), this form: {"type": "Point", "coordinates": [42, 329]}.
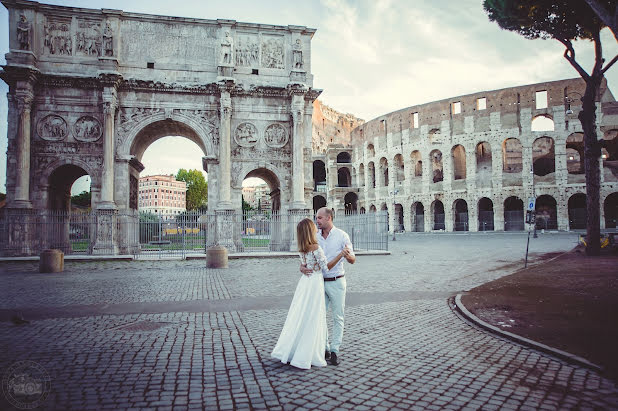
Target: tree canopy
{"type": "Point", "coordinates": [197, 188]}
{"type": "Point", "coordinates": [81, 199]}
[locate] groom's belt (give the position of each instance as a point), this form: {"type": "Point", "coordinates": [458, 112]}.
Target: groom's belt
{"type": "Point", "coordinates": [332, 278]}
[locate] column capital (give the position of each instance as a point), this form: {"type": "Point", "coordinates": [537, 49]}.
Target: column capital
{"type": "Point", "coordinates": [24, 99]}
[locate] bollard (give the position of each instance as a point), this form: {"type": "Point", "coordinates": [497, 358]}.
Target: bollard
{"type": "Point", "coordinates": [216, 257]}
{"type": "Point", "coordinates": [51, 261]}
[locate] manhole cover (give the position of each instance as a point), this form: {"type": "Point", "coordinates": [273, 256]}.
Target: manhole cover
{"type": "Point", "coordinates": [142, 326]}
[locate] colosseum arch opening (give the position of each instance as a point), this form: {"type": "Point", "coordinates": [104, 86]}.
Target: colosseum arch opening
{"type": "Point", "coordinates": [319, 176]}
{"type": "Point", "coordinates": [371, 151]}
{"type": "Point", "coordinates": [577, 211]}
{"type": "Point", "coordinates": [460, 215]}
{"type": "Point", "coordinates": [610, 209]}
{"type": "Point", "coordinates": [437, 212]}
{"type": "Point", "coordinates": [318, 202]}
{"type": "Point", "coordinates": [416, 174]}
{"type": "Point", "coordinates": [544, 160]}
{"type": "Point", "coordinates": [371, 169]}
{"type": "Point", "coordinates": [350, 203]}
{"type": "Point", "coordinates": [486, 214]}
{"type": "Point", "coordinates": [383, 172]}
{"type": "Point", "coordinates": [344, 178]}
{"type": "Point", "coordinates": [610, 155]}
{"type": "Point", "coordinates": [361, 175]}
{"type": "Point", "coordinates": [436, 165]}
{"type": "Point", "coordinates": [546, 213]}
{"type": "Point", "coordinates": [398, 218]}
{"type": "Point", "coordinates": [575, 158]}
{"type": "Point", "coordinates": [418, 217]}
{"type": "Point", "coordinates": [483, 165]}
{"type": "Point", "coordinates": [399, 169]}
{"type": "Point", "coordinates": [344, 157]}
{"type": "Point", "coordinates": [542, 122]}
{"type": "Point", "coordinates": [513, 214]}
{"type": "Point", "coordinates": [512, 163]}
{"type": "Point", "coordinates": [458, 156]}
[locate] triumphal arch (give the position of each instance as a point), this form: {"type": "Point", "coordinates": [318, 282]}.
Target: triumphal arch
{"type": "Point", "coordinates": [90, 90]}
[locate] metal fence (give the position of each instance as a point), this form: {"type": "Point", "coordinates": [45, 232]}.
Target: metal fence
{"type": "Point", "coordinates": [147, 235]}
{"type": "Point", "coordinates": [486, 220]}
{"type": "Point", "coordinates": [514, 220]}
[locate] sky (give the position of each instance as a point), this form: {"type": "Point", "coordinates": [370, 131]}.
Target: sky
{"type": "Point", "coordinates": [370, 57]}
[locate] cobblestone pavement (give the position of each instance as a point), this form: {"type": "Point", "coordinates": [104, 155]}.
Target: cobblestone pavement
{"type": "Point", "coordinates": [115, 335]}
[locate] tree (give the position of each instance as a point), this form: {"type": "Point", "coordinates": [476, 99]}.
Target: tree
{"type": "Point", "coordinates": [197, 188]}
{"type": "Point", "coordinates": [81, 199]}
{"type": "Point", "coordinates": [605, 14]}
{"type": "Point", "coordinates": [567, 21]}
{"type": "Point", "coordinates": [245, 206]}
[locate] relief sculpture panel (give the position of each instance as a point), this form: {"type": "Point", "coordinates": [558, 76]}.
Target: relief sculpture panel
{"type": "Point", "coordinates": [246, 135]}
{"type": "Point", "coordinates": [87, 128]}
{"type": "Point", "coordinates": [58, 39]}
{"type": "Point", "coordinates": [248, 51]}
{"type": "Point", "coordinates": [88, 38]}
{"type": "Point", "coordinates": [52, 128]}
{"type": "Point", "coordinates": [276, 135]}
{"type": "Point", "coordinates": [272, 52]}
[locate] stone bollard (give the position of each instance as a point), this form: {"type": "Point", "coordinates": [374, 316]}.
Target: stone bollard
{"type": "Point", "coordinates": [51, 261]}
{"type": "Point", "coordinates": [216, 257]}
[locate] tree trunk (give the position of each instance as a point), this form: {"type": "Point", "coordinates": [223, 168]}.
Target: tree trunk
{"type": "Point", "coordinates": [592, 154]}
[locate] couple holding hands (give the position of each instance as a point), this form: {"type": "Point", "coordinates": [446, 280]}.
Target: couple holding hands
{"type": "Point", "coordinates": [304, 339]}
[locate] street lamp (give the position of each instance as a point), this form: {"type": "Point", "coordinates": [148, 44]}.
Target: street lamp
{"type": "Point", "coordinates": [568, 100]}
{"type": "Point", "coordinates": [393, 194]}
{"type": "Point", "coordinates": [534, 196]}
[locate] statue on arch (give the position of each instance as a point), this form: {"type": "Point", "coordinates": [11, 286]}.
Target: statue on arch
{"type": "Point", "coordinates": [23, 33]}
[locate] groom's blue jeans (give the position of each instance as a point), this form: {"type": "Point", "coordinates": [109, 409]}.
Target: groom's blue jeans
{"type": "Point", "coordinates": [335, 299]}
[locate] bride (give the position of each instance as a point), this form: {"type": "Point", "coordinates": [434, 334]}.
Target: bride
{"type": "Point", "coordinates": [303, 338]}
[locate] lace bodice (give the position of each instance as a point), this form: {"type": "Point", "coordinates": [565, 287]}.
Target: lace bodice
{"type": "Point", "coordinates": [315, 260]}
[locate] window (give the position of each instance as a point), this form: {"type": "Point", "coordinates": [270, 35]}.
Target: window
{"type": "Point", "coordinates": [541, 99]}
{"type": "Point", "coordinates": [481, 103]}
{"type": "Point", "coordinates": [456, 107]}
{"type": "Point", "coordinates": [415, 120]}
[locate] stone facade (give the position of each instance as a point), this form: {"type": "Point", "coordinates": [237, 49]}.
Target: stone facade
{"type": "Point", "coordinates": [472, 162]}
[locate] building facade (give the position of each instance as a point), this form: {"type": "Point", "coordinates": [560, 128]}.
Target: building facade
{"type": "Point", "coordinates": [162, 195]}
{"type": "Point", "coordinates": [475, 162]}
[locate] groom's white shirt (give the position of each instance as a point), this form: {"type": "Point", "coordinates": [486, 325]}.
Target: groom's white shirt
{"type": "Point", "coordinates": [332, 245]}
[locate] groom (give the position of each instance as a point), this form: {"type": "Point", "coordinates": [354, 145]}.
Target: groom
{"type": "Point", "coordinates": [333, 241]}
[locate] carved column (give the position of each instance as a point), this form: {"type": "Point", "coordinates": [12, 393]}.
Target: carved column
{"type": "Point", "coordinates": [107, 174]}
{"type": "Point", "coordinates": [22, 182]}
{"type": "Point", "coordinates": [298, 175]}
{"type": "Point", "coordinates": [224, 151]}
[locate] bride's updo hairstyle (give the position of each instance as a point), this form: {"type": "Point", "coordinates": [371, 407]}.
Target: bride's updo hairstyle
{"type": "Point", "coordinates": [306, 234]}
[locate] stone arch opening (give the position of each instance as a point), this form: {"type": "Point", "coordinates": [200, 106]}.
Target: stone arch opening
{"type": "Point", "coordinates": [344, 178]}
{"type": "Point", "coordinates": [436, 165]}
{"type": "Point", "coordinates": [399, 227]}
{"type": "Point", "coordinates": [372, 208]}
{"type": "Point", "coordinates": [546, 212]}
{"type": "Point", "coordinates": [610, 210]}
{"type": "Point", "coordinates": [319, 176]}
{"type": "Point", "coordinates": [274, 188]}
{"type": "Point", "coordinates": [384, 208]}
{"type": "Point", "coordinates": [418, 217]}
{"type": "Point", "coordinates": [417, 163]}
{"type": "Point", "coordinates": [575, 154]}
{"type": "Point", "coordinates": [610, 156]}
{"type": "Point", "coordinates": [434, 135]}
{"type": "Point", "coordinates": [512, 157]}
{"type": "Point", "coordinates": [399, 168]}
{"type": "Point", "coordinates": [577, 211]}
{"type": "Point", "coordinates": [362, 210]}
{"type": "Point", "coordinates": [543, 159]}
{"type": "Point", "coordinates": [460, 211]}
{"type": "Point", "coordinates": [344, 157]}
{"type": "Point", "coordinates": [458, 154]}
{"type": "Point", "coordinates": [60, 182]}
{"type": "Point", "coordinates": [542, 122]}
{"type": "Point", "coordinates": [350, 203]}
{"type": "Point", "coordinates": [372, 174]}
{"type": "Point", "coordinates": [483, 164]}
{"type": "Point", "coordinates": [318, 202]}
{"type": "Point", "coordinates": [437, 212]}
{"type": "Point", "coordinates": [384, 172]}
{"type": "Point", "coordinates": [371, 151]}
{"type": "Point", "coordinates": [486, 214]}
{"type": "Point", "coordinates": [164, 128]}
{"type": "Point", "coordinates": [513, 214]}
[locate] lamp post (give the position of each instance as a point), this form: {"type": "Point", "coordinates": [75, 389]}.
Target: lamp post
{"type": "Point", "coordinates": [393, 194]}
{"type": "Point", "coordinates": [533, 195]}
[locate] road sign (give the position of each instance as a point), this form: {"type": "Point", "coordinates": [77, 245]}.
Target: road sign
{"type": "Point", "coordinates": [531, 203]}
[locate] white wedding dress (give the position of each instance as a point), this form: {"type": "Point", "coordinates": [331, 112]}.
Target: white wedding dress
{"type": "Point", "coordinates": [303, 339]}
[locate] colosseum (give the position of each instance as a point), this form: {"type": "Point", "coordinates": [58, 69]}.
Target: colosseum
{"type": "Point", "coordinates": [469, 163]}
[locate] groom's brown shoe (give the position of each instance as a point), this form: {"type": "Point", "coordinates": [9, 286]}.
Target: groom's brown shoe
{"type": "Point", "coordinates": [327, 355]}
{"type": "Point", "coordinates": [333, 359]}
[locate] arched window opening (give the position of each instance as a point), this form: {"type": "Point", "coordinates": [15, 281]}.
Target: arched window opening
{"type": "Point", "coordinates": [542, 123]}
{"type": "Point", "coordinates": [417, 164]}
{"type": "Point", "coordinates": [486, 214]}
{"type": "Point", "coordinates": [609, 154]}
{"type": "Point", "coordinates": [459, 162]}
{"type": "Point", "coordinates": [372, 175]}
{"type": "Point", "coordinates": [575, 158]}
{"type": "Point", "coordinates": [543, 159]}
{"type": "Point", "coordinates": [610, 210]}
{"type": "Point", "coordinates": [513, 214]}
{"type": "Point", "coordinates": [460, 208]}
{"type": "Point", "coordinates": [343, 177]}
{"type": "Point", "coordinates": [546, 213]}
{"type": "Point", "coordinates": [318, 202]}
{"type": "Point", "coordinates": [436, 165]}
{"type": "Point", "coordinates": [577, 211]}
{"type": "Point", "coordinates": [371, 151]}
{"type": "Point", "coordinates": [319, 176]}
{"type": "Point", "coordinates": [350, 202]}
{"type": "Point", "coordinates": [483, 165]}
{"type": "Point", "coordinates": [418, 217]}
{"type": "Point", "coordinates": [399, 168]}
{"type": "Point", "coordinates": [384, 172]}
{"type": "Point", "coordinates": [438, 215]}
{"type": "Point", "coordinates": [361, 175]}
{"type": "Point", "coordinates": [511, 162]}
{"type": "Point", "coordinates": [344, 157]}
